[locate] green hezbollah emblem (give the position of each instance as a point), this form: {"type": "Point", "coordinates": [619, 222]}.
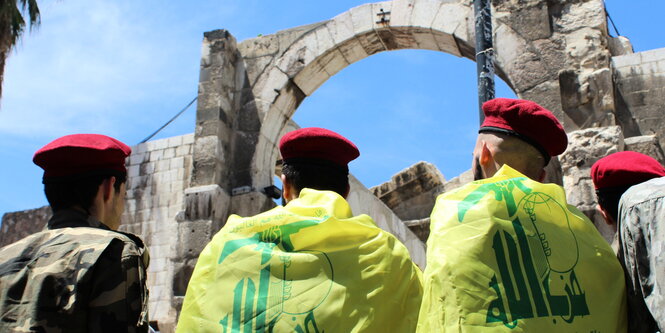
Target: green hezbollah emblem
{"type": "Point", "coordinates": [291, 285]}
{"type": "Point", "coordinates": [534, 279]}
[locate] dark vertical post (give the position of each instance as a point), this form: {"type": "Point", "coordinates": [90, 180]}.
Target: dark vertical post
{"type": "Point", "coordinates": [484, 52]}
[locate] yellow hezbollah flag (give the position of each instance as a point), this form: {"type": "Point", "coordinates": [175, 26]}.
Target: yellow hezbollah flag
{"type": "Point", "coordinates": [507, 254]}
{"type": "Point", "coordinates": [307, 267]}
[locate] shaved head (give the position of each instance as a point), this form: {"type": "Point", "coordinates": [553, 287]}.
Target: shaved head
{"type": "Point", "coordinates": [493, 150]}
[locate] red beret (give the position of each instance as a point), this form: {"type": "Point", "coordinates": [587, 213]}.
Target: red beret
{"type": "Point", "coordinates": [624, 168]}
{"type": "Point", "coordinates": [528, 121]}
{"type": "Point", "coordinates": [81, 153]}
{"type": "Point", "coordinates": [318, 143]}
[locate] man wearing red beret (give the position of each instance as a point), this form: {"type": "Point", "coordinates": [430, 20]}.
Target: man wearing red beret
{"type": "Point", "coordinates": [308, 266]}
{"type": "Point", "coordinates": [505, 252]}
{"type": "Point", "coordinates": [79, 274]}
{"type": "Point", "coordinates": [631, 197]}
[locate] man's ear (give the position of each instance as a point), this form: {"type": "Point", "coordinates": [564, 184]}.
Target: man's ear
{"type": "Point", "coordinates": [107, 188]}
{"type": "Point", "coordinates": [606, 216]}
{"type": "Point", "coordinates": [543, 174]}
{"type": "Point", "coordinates": [485, 155]}
{"type": "Point", "coordinates": [286, 188]}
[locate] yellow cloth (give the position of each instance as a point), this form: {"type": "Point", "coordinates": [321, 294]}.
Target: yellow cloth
{"type": "Point", "coordinates": [507, 254]}
{"type": "Point", "coordinates": [307, 267]}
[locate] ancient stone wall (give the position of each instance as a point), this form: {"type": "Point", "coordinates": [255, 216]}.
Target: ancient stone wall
{"type": "Point", "coordinates": [639, 81]}
{"type": "Point", "coordinates": [585, 147]}
{"type": "Point", "coordinates": [158, 174]}
{"type": "Point", "coordinates": [411, 192]}
{"type": "Point", "coordinates": [17, 225]}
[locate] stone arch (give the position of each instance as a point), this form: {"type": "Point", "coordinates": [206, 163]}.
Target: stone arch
{"type": "Point", "coordinates": [529, 55]}
{"type": "Point", "coordinates": [331, 46]}
{"type": "Point", "coordinates": [553, 52]}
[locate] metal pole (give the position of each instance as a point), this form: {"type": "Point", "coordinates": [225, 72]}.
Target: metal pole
{"type": "Point", "coordinates": [484, 52]}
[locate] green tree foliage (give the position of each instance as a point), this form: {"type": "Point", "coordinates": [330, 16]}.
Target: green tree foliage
{"type": "Point", "coordinates": [13, 16]}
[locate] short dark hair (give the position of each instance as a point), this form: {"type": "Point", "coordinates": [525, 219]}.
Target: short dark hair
{"type": "Point", "coordinates": [316, 176]}
{"type": "Point", "coordinates": [78, 191]}
{"type": "Point", "coordinates": [608, 199]}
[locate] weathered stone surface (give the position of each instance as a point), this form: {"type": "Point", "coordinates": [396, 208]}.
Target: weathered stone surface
{"type": "Point", "coordinates": [452, 19]}
{"type": "Point", "coordinates": [424, 12]}
{"type": "Point", "coordinates": [341, 28]}
{"type": "Point", "coordinates": [259, 47]}
{"type": "Point", "coordinates": [319, 71]}
{"type": "Point", "coordinates": [299, 55]}
{"type": "Point", "coordinates": [250, 203]}
{"type": "Point", "coordinates": [646, 144]}
{"type": "Point", "coordinates": [363, 19]}
{"type": "Point", "coordinates": [459, 181]}
{"type": "Point", "coordinates": [193, 237]}
{"type": "Point", "coordinates": [343, 36]}
{"type": "Point", "coordinates": [587, 98]}
{"type": "Point", "coordinates": [522, 65]}
{"type": "Point", "coordinates": [575, 15]}
{"type": "Point", "coordinates": [411, 193]}
{"type": "Point", "coordinates": [587, 92]}
{"type": "Point", "coordinates": [548, 95]}
{"type": "Point", "coordinates": [18, 225]}
{"type": "Point", "coordinates": [289, 36]}
{"type": "Point", "coordinates": [585, 147]}
{"type": "Point", "coordinates": [587, 47]}
{"type": "Point", "coordinates": [268, 88]}
{"type": "Point", "coordinates": [400, 12]}
{"type": "Point", "coordinates": [160, 173]}
{"type": "Point", "coordinates": [620, 46]}
{"type": "Point", "coordinates": [208, 157]}
{"type": "Point", "coordinates": [531, 21]}
{"type": "Point", "coordinates": [640, 92]}
{"type": "Point", "coordinates": [207, 202]}
{"type": "Point", "coordinates": [220, 95]}
{"type": "Point", "coordinates": [363, 201]}
{"type": "Point", "coordinates": [552, 53]}
{"type": "Point", "coordinates": [419, 227]}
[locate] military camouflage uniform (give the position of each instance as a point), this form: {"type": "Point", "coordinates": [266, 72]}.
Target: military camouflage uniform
{"type": "Point", "coordinates": [75, 276]}
{"type": "Point", "coordinates": [642, 252]}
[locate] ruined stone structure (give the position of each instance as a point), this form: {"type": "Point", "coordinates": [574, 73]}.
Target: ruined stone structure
{"type": "Point", "coordinates": [555, 52]}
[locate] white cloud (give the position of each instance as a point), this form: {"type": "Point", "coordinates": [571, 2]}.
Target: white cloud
{"type": "Point", "coordinates": [92, 65]}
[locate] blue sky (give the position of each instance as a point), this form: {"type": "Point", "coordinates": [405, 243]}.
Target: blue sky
{"type": "Point", "coordinates": [123, 68]}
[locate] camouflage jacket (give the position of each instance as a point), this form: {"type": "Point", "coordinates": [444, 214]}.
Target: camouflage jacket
{"type": "Point", "coordinates": [77, 275]}
{"type": "Point", "coordinates": [642, 252]}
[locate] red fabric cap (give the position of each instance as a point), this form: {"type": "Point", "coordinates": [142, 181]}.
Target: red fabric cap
{"type": "Point", "coordinates": [625, 168]}
{"type": "Point", "coordinates": [318, 143]}
{"type": "Point", "coordinates": [80, 153]}
{"type": "Point", "coordinates": [529, 120]}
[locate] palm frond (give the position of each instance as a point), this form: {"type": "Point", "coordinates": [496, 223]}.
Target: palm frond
{"type": "Point", "coordinates": [31, 7]}
{"type": "Point", "coordinates": [12, 20]}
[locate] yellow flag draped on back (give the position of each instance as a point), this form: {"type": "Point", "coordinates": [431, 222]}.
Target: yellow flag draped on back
{"type": "Point", "coordinates": [507, 254]}
{"type": "Point", "coordinates": [307, 267]}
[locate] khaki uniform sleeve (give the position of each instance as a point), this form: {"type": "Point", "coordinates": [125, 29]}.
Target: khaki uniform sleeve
{"type": "Point", "coordinates": [118, 299]}
{"type": "Point", "coordinates": [642, 252]}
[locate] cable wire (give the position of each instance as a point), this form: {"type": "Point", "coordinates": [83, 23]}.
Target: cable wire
{"type": "Point", "coordinates": [171, 120]}
{"type": "Point", "coordinates": [611, 21]}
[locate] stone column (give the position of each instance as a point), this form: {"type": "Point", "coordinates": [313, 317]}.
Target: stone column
{"type": "Point", "coordinates": [207, 201]}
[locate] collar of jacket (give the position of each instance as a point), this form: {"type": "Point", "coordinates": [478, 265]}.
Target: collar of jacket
{"type": "Point", "coordinates": [72, 218]}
